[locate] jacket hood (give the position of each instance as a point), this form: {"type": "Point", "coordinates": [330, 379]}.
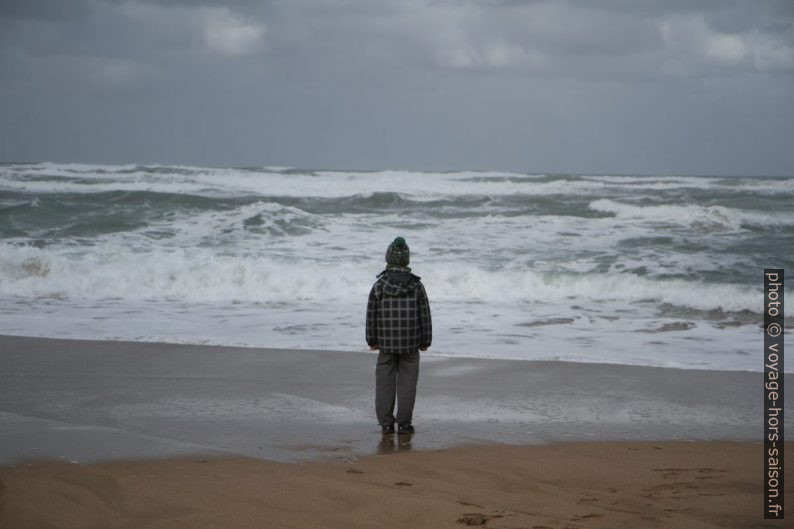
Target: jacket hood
{"type": "Point", "coordinates": [398, 282]}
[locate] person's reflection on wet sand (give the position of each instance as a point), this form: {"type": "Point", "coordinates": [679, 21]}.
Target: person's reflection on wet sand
{"type": "Point", "coordinates": [394, 443]}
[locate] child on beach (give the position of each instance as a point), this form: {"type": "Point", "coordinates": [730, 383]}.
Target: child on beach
{"type": "Point", "coordinates": [399, 326]}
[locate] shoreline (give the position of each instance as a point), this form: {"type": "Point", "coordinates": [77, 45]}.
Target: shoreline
{"type": "Point", "coordinates": [428, 354]}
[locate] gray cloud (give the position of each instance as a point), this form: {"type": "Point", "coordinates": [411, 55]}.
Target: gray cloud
{"type": "Point", "coordinates": [531, 85]}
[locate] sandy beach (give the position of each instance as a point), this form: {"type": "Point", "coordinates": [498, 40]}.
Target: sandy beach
{"type": "Point", "coordinates": [123, 434]}
{"type": "Point", "coordinates": [567, 485]}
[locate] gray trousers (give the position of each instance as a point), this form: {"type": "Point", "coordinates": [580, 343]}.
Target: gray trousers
{"type": "Point", "coordinates": [396, 376]}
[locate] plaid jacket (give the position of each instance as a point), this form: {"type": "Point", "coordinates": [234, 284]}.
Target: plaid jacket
{"type": "Point", "coordinates": [398, 313]}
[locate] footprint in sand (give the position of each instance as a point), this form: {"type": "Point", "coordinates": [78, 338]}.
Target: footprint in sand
{"type": "Point", "coordinates": [477, 518]}
{"type": "Point", "coordinates": [585, 516]}
{"type": "Point", "coordinates": [472, 518]}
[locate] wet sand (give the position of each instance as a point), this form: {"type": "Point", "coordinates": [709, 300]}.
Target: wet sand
{"type": "Point", "coordinates": [78, 400]}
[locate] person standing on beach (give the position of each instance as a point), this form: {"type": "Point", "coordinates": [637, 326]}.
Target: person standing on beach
{"type": "Point", "coordinates": [399, 326]}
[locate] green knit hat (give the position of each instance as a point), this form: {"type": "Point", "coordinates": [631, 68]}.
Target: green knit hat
{"type": "Point", "coordinates": [398, 254]}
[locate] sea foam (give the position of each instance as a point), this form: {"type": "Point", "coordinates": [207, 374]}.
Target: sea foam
{"type": "Point", "coordinates": [652, 270]}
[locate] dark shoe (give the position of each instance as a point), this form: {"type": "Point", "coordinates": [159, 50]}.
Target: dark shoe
{"type": "Point", "coordinates": [405, 429]}
{"type": "Point", "coordinates": [387, 430]}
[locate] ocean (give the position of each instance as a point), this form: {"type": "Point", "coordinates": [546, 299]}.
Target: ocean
{"type": "Point", "coordinates": [662, 270]}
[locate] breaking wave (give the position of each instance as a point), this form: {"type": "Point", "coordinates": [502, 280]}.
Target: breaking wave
{"type": "Point", "coordinates": [196, 274]}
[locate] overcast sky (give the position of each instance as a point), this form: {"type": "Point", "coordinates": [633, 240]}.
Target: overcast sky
{"type": "Point", "coordinates": [624, 86]}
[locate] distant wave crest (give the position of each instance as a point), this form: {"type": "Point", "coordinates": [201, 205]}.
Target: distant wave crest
{"type": "Point", "coordinates": [714, 216]}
